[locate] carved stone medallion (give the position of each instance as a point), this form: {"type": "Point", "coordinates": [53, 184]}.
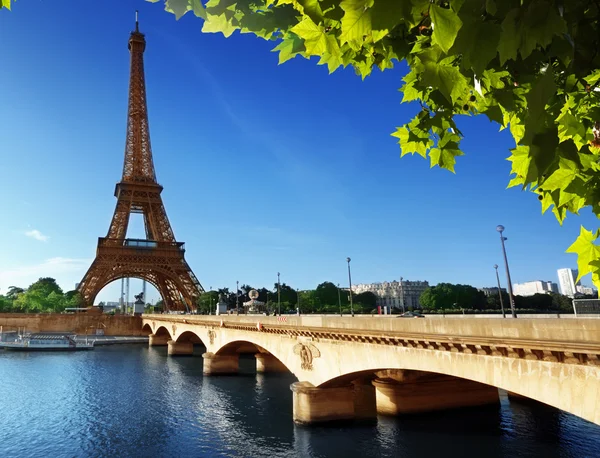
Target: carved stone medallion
{"type": "Point", "coordinates": [307, 353]}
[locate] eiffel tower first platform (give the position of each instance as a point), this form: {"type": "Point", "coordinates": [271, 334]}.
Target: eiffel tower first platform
{"type": "Point", "coordinates": [158, 259]}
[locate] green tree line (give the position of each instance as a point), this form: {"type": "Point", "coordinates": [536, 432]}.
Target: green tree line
{"type": "Point", "coordinates": [42, 296]}
{"type": "Point", "coordinates": [326, 298]}
{"type": "Point", "coordinates": [447, 297]}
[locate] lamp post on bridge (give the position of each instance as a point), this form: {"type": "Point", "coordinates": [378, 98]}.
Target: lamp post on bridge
{"type": "Point", "coordinates": [237, 297]}
{"type": "Point", "coordinates": [350, 283]}
{"type": "Point", "coordinates": [298, 301]}
{"type": "Point", "coordinates": [210, 309]}
{"type": "Point", "coordinates": [500, 229]}
{"type": "Point", "coordinates": [339, 299]}
{"type": "Point", "coordinates": [278, 295]}
{"type": "Point", "coordinates": [500, 291]}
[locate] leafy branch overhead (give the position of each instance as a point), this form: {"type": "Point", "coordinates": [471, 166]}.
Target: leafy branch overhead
{"type": "Point", "coordinates": [532, 66]}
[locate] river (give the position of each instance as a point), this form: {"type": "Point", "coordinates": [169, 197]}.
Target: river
{"type": "Point", "coordinates": [134, 401]}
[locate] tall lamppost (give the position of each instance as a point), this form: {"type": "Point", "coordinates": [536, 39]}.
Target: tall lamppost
{"type": "Point", "coordinates": [210, 309]}
{"type": "Point", "coordinates": [500, 291]}
{"type": "Point", "coordinates": [237, 297]}
{"type": "Point", "coordinates": [500, 229]}
{"type": "Point", "coordinates": [298, 301]}
{"type": "Point", "coordinates": [278, 295]}
{"type": "Point", "coordinates": [339, 299]}
{"type": "Point", "coordinates": [350, 283]}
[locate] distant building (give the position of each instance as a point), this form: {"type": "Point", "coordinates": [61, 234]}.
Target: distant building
{"type": "Point", "coordinates": [534, 287]}
{"type": "Point", "coordinates": [586, 290]}
{"type": "Point", "coordinates": [567, 280]}
{"type": "Point", "coordinates": [397, 294]}
{"type": "Point", "coordinates": [491, 291]}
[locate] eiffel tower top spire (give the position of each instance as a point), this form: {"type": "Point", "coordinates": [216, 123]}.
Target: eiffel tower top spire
{"type": "Point", "coordinates": [138, 165]}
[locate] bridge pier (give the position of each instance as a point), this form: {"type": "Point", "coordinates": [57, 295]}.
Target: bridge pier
{"type": "Point", "coordinates": [158, 341]}
{"type": "Point", "coordinates": [365, 406]}
{"type": "Point", "coordinates": [220, 364]}
{"type": "Point", "coordinates": [431, 394]}
{"type": "Point", "coordinates": [318, 405]}
{"type": "Point", "coordinates": [268, 363]}
{"type": "Point", "coordinates": [179, 348]}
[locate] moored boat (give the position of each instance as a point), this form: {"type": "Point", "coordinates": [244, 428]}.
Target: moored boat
{"type": "Point", "coordinates": [47, 342]}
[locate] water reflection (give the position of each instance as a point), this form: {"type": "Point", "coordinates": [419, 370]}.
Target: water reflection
{"type": "Point", "coordinates": [137, 401]}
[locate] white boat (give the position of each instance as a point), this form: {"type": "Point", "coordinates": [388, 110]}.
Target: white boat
{"type": "Point", "coordinates": [47, 342]}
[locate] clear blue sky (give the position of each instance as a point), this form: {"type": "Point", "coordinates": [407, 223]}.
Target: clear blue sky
{"type": "Point", "coordinates": [266, 168]}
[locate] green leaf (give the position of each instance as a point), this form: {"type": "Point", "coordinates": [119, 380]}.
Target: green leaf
{"type": "Point", "coordinates": [540, 24]}
{"type": "Point", "coordinates": [356, 23]}
{"type": "Point", "coordinates": [445, 156]}
{"type": "Point", "coordinates": [446, 25]}
{"type": "Point", "coordinates": [587, 252]}
{"type": "Point", "coordinates": [290, 47]}
{"type": "Point", "coordinates": [441, 75]}
{"type": "Point", "coordinates": [569, 127]}
{"type": "Point", "coordinates": [477, 41]}
{"type": "Point", "coordinates": [413, 141]}
{"type": "Point", "coordinates": [178, 7]}
{"type": "Point", "coordinates": [562, 177]}
{"type": "Point", "coordinates": [220, 23]}
{"type": "Point", "coordinates": [490, 7]}
{"type": "Point", "coordinates": [314, 36]}
{"type": "Point", "coordinates": [510, 38]}
{"type": "Point", "coordinates": [386, 14]}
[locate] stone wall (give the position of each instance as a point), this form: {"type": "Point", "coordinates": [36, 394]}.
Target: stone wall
{"type": "Point", "coordinates": [79, 323]}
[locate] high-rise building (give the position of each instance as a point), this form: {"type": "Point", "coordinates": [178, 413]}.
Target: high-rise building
{"type": "Point", "coordinates": [567, 281]}
{"type": "Point", "coordinates": [397, 294]}
{"type": "Point", "coordinates": [534, 287]}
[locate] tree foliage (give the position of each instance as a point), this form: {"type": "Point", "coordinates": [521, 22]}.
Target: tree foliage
{"type": "Point", "coordinates": [449, 296]}
{"type": "Point", "coordinates": [531, 66]}
{"type": "Point", "coordinates": [42, 296]}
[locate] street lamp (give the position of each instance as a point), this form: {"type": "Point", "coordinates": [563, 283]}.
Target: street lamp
{"type": "Point", "coordinates": [278, 295]}
{"type": "Point", "coordinates": [298, 301]}
{"type": "Point", "coordinates": [500, 229]}
{"type": "Point", "coordinates": [500, 291]}
{"type": "Point", "coordinates": [350, 283]}
{"type": "Point", "coordinates": [210, 309]}
{"type": "Point", "coordinates": [339, 299]}
{"type": "Point", "coordinates": [237, 297]}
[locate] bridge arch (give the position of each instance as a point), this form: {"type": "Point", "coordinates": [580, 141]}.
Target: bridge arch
{"type": "Point", "coordinates": [266, 359]}
{"type": "Point", "coordinates": [191, 337]}
{"type": "Point", "coordinates": [558, 385]}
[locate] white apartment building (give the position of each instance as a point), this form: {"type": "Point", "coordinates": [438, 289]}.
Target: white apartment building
{"type": "Point", "coordinates": [399, 294]}
{"type": "Point", "coordinates": [586, 290]}
{"type": "Point", "coordinates": [567, 280]}
{"type": "Point", "coordinates": [491, 290]}
{"type": "Point", "coordinates": [534, 287]}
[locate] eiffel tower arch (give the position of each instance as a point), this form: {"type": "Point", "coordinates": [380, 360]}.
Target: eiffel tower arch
{"type": "Point", "coordinates": [159, 258]}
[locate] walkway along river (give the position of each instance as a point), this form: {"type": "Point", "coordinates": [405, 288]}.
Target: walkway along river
{"type": "Point", "coordinates": [132, 401]}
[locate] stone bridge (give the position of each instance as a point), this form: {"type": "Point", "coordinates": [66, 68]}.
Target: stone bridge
{"type": "Point", "coordinates": [353, 368]}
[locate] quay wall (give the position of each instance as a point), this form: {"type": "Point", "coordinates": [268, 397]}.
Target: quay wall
{"type": "Point", "coordinates": [78, 323]}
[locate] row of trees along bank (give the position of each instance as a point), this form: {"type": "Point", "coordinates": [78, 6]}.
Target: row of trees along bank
{"type": "Point", "coordinates": [43, 296]}
{"type": "Point", "coordinates": [450, 298]}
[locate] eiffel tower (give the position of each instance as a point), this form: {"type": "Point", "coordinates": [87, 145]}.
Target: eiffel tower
{"type": "Point", "coordinates": [159, 258]}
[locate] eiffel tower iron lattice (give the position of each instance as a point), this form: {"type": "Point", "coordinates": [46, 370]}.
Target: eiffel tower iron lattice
{"type": "Point", "coordinates": [158, 259]}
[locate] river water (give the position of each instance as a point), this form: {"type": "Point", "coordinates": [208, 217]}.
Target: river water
{"type": "Point", "coordinates": [134, 401]}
